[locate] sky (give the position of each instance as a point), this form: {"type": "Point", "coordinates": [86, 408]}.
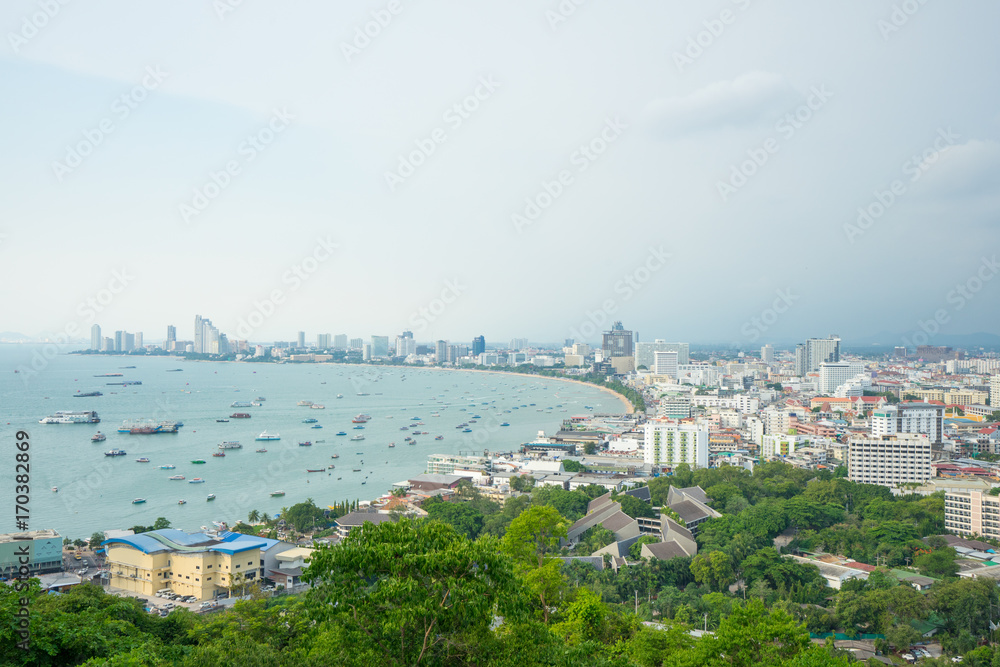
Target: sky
{"type": "Point", "coordinates": [733, 170]}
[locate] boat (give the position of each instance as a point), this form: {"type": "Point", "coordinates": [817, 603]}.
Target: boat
{"type": "Point", "coordinates": [357, 437]}
{"type": "Point", "coordinates": [264, 435]}
{"type": "Point", "coordinates": [261, 451]}
{"type": "Point", "coordinates": [222, 421]}
{"type": "Point", "coordinates": [316, 426]}
{"type": "Point", "coordinates": [197, 461]}
{"type": "Point", "coordinates": [240, 415]}
{"type": "Point", "coordinates": [358, 427]}
{"type": "Point", "coordinates": [115, 452]}
{"type": "Point", "coordinates": [55, 489]}
{"type": "Point", "coordinates": [505, 424]}
{"type": "Point", "coordinates": [404, 428]}
{"type": "Point", "coordinates": [392, 444]}
{"type": "Point", "coordinates": [331, 467]}
{"type": "Point", "coordinates": [168, 466]}
{"type": "Point", "coordinates": [174, 370]}
{"type": "Point", "coordinates": [98, 437]}
{"type": "Point", "coordinates": [356, 470]}
{"type": "Point", "coordinates": [340, 395]}
{"type": "Point", "coordinates": [311, 420]}
{"type": "Point", "coordinates": [304, 404]}
{"type": "Point", "coordinates": [261, 398]}
{"type": "Point", "coordinates": [317, 406]}
{"type": "Point", "coordinates": [342, 433]}
{"type": "Point", "coordinates": [138, 501]}
{"type": "Point", "coordinates": [88, 394]}
{"type": "Point", "coordinates": [196, 480]}
{"type": "Point", "coordinates": [241, 404]}
{"type": "Point", "coordinates": [335, 456]}
{"type": "Point", "coordinates": [466, 430]}
{"type": "Point", "coordinates": [315, 469]}
{"type": "Point", "coordinates": [109, 375]}
{"type": "Point", "coordinates": [231, 444]}
{"type": "Point", "coordinates": [182, 502]}
{"type": "Point", "coordinates": [218, 453]}
{"type": "Point", "coordinates": [71, 417]}
{"type": "Point", "coordinates": [142, 459]}
{"type": "Point", "coordinates": [305, 444]}
{"type": "Point", "coordinates": [412, 442]}
{"type": "Point", "coordinates": [211, 496]}
{"type": "Point", "coordinates": [440, 437]}
{"type": "Point", "coordinates": [176, 477]}
{"type": "Point", "coordinates": [361, 419]}
{"type": "Point", "coordinates": [126, 383]}
{"type": "Point", "coordinates": [148, 427]}
{"type": "Point", "coordinates": [277, 493]}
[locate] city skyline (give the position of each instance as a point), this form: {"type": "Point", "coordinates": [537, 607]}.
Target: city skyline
{"type": "Point", "coordinates": [717, 168]}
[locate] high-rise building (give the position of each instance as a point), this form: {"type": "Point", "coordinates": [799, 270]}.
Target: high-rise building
{"type": "Point", "coordinates": [767, 354]}
{"type": "Point", "coordinates": [198, 343]}
{"type": "Point", "coordinates": [972, 513]}
{"type": "Point", "coordinates": [405, 345]}
{"type": "Point", "coordinates": [95, 337]}
{"type": "Point", "coordinates": [995, 392]}
{"type": "Point", "coordinates": [171, 337]}
{"type": "Point", "coordinates": [899, 352]}
{"type": "Point", "coordinates": [925, 418]}
{"type": "Point", "coordinates": [832, 374]}
{"type": "Point", "coordinates": [644, 352]}
{"type": "Point", "coordinates": [478, 345]}
{"type": "Point", "coordinates": [819, 350]}
{"type": "Point", "coordinates": [441, 351]}
{"type": "Point", "coordinates": [669, 444]}
{"type": "Point", "coordinates": [323, 341]}
{"type": "Point", "coordinates": [518, 344]}
{"type": "Point", "coordinates": [340, 342]}
{"type": "Point", "coordinates": [617, 342]}
{"type": "Point", "coordinates": [301, 340]}
{"type": "Point", "coordinates": [665, 363]}
{"type": "Point", "coordinates": [569, 342]}
{"type": "Point", "coordinates": [119, 341]}
{"type": "Point", "coordinates": [800, 360]}
{"type": "Point", "coordinates": [357, 343]}
{"type": "Point", "coordinates": [137, 341]}
{"type": "Point", "coordinates": [380, 346]}
{"type": "Point", "coordinates": [108, 344]}
{"type": "Point", "coordinates": [889, 460]}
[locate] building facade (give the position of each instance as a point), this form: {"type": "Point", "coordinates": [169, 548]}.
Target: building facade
{"type": "Point", "coordinates": [668, 444]}
{"type": "Point", "coordinates": [889, 460]}
{"type": "Point", "coordinates": [40, 550]}
{"type": "Point", "coordinates": [972, 513]}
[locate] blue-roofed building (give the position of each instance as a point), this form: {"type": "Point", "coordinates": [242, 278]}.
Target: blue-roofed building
{"type": "Point", "coordinates": [198, 564]}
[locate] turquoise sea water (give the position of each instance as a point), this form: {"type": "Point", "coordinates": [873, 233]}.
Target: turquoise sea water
{"type": "Point", "coordinates": [95, 491]}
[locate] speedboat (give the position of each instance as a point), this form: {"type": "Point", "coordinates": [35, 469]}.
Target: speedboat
{"type": "Point", "coordinates": [138, 501]}
{"type": "Point", "coordinates": [168, 467]}
{"type": "Point", "coordinates": [211, 496]}
{"type": "Point", "coordinates": [142, 459]}
{"type": "Point", "coordinates": [181, 502]}
{"type": "Point", "coordinates": [358, 437]}
{"type": "Point", "coordinates": [358, 427]}
{"type": "Point", "coordinates": [342, 433]}
{"type": "Point", "coordinates": [176, 477]}
{"type": "Point", "coordinates": [277, 493]}
{"type": "Point", "coordinates": [311, 420]}
{"type": "Point", "coordinates": [316, 426]}
{"type": "Point", "coordinates": [261, 451]}
{"type": "Point", "coordinates": [196, 480]}
{"type": "Point", "coordinates": [115, 452]}
{"type": "Point", "coordinates": [98, 437]}
{"type": "Point", "coordinates": [440, 437]}
{"type": "Point", "coordinates": [264, 435]}
{"type": "Point", "coordinates": [305, 444]}
{"type": "Point", "coordinates": [197, 461]}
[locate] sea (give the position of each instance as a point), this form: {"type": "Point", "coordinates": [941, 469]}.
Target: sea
{"type": "Point", "coordinates": [77, 490]}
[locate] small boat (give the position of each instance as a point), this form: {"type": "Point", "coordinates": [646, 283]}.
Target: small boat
{"type": "Point", "coordinates": [317, 406]}
{"type": "Point", "coordinates": [197, 461]}
{"type": "Point", "coordinates": [176, 477]}
{"type": "Point", "coordinates": [331, 467]}
{"type": "Point", "coordinates": [264, 435]}
{"type": "Point", "coordinates": [222, 421]}
{"type": "Point", "coordinates": [335, 456]}
{"type": "Point", "coordinates": [392, 444]}
{"type": "Point", "coordinates": [211, 496]}
{"type": "Point", "coordinates": [196, 480]}
{"type": "Point", "coordinates": [240, 415]}
{"type": "Point", "coordinates": [261, 398]}
{"type": "Point", "coordinates": [466, 430]}
{"type": "Point", "coordinates": [315, 469]}
{"type": "Point", "coordinates": [138, 501]}
{"type": "Point", "coordinates": [358, 437]}
{"type": "Point", "coordinates": [505, 424]}
{"type": "Point", "coordinates": [309, 421]}
{"type": "Point", "coordinates": [142, 459]}
{"type": "Point", "coordinates": [115, 452]}
{"type": "Point", "coordinates": [340, 395]}
{"type": "Point", "coordinates": [404, 428]}
{"type": "Point", "coordinates": [277, 493]}
{"type": "Point", "coordinates": [440, 437]}
{"type": "Point", "coordinates": [305, 444]}
{"type": "Point", "coordinates": [182, 502]}
{"type": "Point", "coordinates": [231, 444]}
{"type": "Point", "coordinates": [99, 437]}
{"type": "Point", "coordinates": [55, 489]}
{"type": "Point", "coordinates": [412, 442]}
{"type": "Point", "coordinates": [342, 433]}
{"type": "Point", "coordinates": [220, 454]}
{"type": "Point", "coordinates": [356, 470]}
{"type": "Point", "coordinates": [168, 466]}
{"type": "Point", "coordinates": [261, 451]}
{"type": "Point", "coordinates": [304, 404]}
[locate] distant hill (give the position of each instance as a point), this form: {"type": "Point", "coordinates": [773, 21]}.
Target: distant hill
{"type": "Point", "coordinates": [13, 335]}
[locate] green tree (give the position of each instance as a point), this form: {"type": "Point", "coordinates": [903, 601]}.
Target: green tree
{"type": "Point", "coordinates": [254, 516]}
{"type": "Point", "coordinates": [713, 569]}
{"type": "Point", "coordinates": [522, 483]}
{"type": "Point", "coordinates": [161, 523]}
{"type": "Point", "coordinates": [463, 517]}
{"type": "Point", "coordinates": [902, 636]}
{"type": "Point", "coordinates": [96, 539]}
{"type": "Point", "coordinates": [407, 593]}
{"type": "Point", "coordinates": [635, 508]}
{"type": "Point", "coordinates": [938, 563]}
{"type": "Point", "coordinates": [752, 636]}
{"type": "Point", "coordinates": [529, 538]}
{"type": "Point", "coordinates": [635, 551]}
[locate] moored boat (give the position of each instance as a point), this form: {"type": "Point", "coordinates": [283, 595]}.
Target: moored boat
{"type": "Point", "coordinates": [115, 452]}
{"type": "Point", "coordinates": [277, 493]}
{"type": "Point", "coordinates": [196, 480]}
{"type": "Point", "coordinates": [218, 454]}
{"type": "Point", "coordinates": [138, 501]}
{"type": "Point", "coordinates": [176, 477]}
{"type": "Point", "coordinates": [211, 496]}
{"type": "Point", "coordinates": [168, 466]}
{"type": "Point", "coordinates": [181, 502]}
{"type": "Point", "coordinates": [261, 451]}
{"type": "Point", "coordinates": [142, 459]}
{"type": "Point", "coordinates": [264, 435]}
{"type": "Point", "coordinates": [197, 461]}
{"type": "Point", "coordinates": [98, 437]}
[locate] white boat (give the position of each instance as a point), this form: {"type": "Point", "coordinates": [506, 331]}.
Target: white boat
{"type": "Point", "coordinates": [358, 437]}
{"type": "Point", "coordinates": [304, 403]}
{"type": "Point", "coordinates": [231, 444]}
{"type": "Point", "coordinates": [71, 417]}
{"type": "Point", "coordinates": [196, 480]}
{"type": "Point", "coordinates": [142, 459]}
{"type": "Point", "coordinates": [264, 435]}
{"type": "Point", "coordinates": [169, 466]}
{"type": "Point", "coordinates": [176, 477]}
{"type": "Point", "coordinates": [181, 502]}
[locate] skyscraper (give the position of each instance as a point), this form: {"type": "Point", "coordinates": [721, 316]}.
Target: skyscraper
{"type": "Point", "coordinates": [478, 345]}
{"type": "Point", "coordinates": [519, 344]}
{"type": "Point", "coordinates": [340, 342]}
{"type": "Point", "coordinates": [95, 337]}
{"type": "Point", "coordinates": [137, 341]}
{"type": "Point", "coordinates": [171, 337]}
{"type": "Point", "coordinates": [665, 363]}
{"type": "Point", "coordinates": [819, 350]}
{"type": "Point", "coordinates": [767, 354]}
{"type": "Point", "coordinates": [199, 345]}
{"type": "Point", "coordinates": [441, 351]}
{"type": "Point", "coordinates": [323, 341]}
{"type": "Point", "coordinates": [617, 342]}
{"type": "Point", "coordinates": [301, 340]}
{"type": "Point", "coordinates": [380, 346]}
{"type": "Point", "coordinates": [644, 352]}
{"type": "Point", "coordinates": [800, 360]}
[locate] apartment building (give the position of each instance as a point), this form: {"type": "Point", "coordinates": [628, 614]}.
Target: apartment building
{"type": "Point", "coordinates": [668, 444]}
{"type": "Point", "coordinates": [889, 460]}
{"type": "Point", "coordinates": [972, 513]}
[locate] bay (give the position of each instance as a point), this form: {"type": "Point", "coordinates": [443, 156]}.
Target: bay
{"type": "Point", "coordinates": [96, 492]}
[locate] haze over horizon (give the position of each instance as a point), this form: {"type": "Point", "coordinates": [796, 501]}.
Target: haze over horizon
{"type": "Point", "coordinates": [695, 170]}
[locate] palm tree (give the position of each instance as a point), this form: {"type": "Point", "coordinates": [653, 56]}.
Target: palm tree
{"type": "Point", "coordinates": [254, 516]}
{"type": "Point", "coordinates": [265, 517]}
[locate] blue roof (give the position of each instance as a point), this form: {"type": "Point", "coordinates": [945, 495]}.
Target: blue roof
{"type": "Point", "coordinates": [170, 539]}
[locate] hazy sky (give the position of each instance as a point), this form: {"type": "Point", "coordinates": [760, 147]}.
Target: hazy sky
{"type": "Point", "coordinates": [530, 169]}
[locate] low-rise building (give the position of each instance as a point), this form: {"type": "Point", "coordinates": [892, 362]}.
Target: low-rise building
{"type": "Point", "coordinates": [39, 550]}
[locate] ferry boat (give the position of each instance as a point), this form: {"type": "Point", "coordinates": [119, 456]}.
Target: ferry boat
{"type": "Point", "coordinates": [311, 420]}
{"type": "Point", "coordinates": [115, 452]}
{"type": "Point", "coordinates": [240, 404]}
{"type": "Point", "coordinates": [357, 437]}
{"type": "Point", "coordinates": [231, 444]}
{"type": "Point", "coordinates": [361, 419]}
{"type": "Point", "coordinates": [88, 394]}
{"type": "Point", "coordinates": [196, 480]}
{"type": "Point", "coordinates": [304, 404]}
{"type": "Point", "coordinates": [176, 477]}
{"type": "Point", "coordinates": [305, 444]}
{"type": "Point", "coordinates": [197, 461]}
{"type": "Point", "coordinates": [71, 417]}
{"type": "Point", "coordinates": [261, 451]}
{"type": "Point", "coordinates": [142, 459]}
{"type": "Point", "coordinates": [264, 435]}
{"type": "Point", "coordinates": [218, 453]}
{"type": "Point", "coordinates": [275, 494]}
{"type": "Point", "coordinates": [317, 406]}
{"type": "Point", "coordinates": [168, 466]}
{"type": "Point", "coordinates": [138, 501]}
{"type": "Point", "coordinates": [98, 437]}
{"type": "Point", "coordinates": [211, 496]}
{"type": "Point", "coordinates": [240, 415]}
{"type": "Point", "coordinates": [148, 427]}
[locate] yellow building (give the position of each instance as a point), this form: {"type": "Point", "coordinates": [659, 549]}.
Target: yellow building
{"type": "Point", "coordinates": [195, 564]}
